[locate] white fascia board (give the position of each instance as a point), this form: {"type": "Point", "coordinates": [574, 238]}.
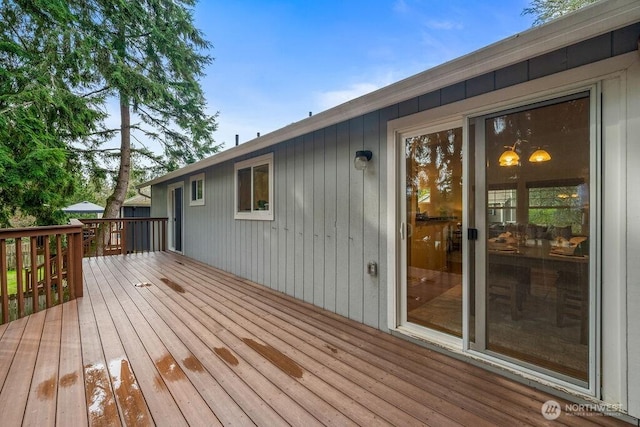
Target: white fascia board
{"type": "Point", "coordinates": [575, 27]}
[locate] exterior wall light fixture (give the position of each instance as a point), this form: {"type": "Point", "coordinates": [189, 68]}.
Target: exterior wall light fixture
{"type": "Point", "coordinates": [362, 158]}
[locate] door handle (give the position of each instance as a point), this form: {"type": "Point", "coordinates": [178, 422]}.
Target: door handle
{"type": "Point", "coordinates": [472, 234]}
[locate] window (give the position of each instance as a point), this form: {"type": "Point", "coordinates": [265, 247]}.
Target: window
{"type": "Point", "coordinates": [197, 190]}
{"type": "Point", "coordinates": [254, 188]}
{"type": "Point", "coordinates": [562, 204]}
{"type": "Point", "coordinates": [502, 206]}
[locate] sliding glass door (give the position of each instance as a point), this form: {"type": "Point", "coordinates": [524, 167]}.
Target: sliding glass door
{"type": "Point", "coordinates": [504, 266]}
{"type": "Point", "coordinates": [534, 291]}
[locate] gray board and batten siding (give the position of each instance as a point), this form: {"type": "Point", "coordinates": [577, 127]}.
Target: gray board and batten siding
{"type": "Point", "coordinates": [329, 218]}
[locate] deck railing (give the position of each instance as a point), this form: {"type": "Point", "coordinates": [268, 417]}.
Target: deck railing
{"type": "Point", "coordinates": [48, 269]}
{"type": "Point", "coordinates": [54, 274]}
{"type": "Point", "coordinates": [119, 236]}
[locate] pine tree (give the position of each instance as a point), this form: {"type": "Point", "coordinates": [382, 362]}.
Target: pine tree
{"type": "Point", "coordinates": [149, 55]}
{"type": "Point", "coordinates": [40, 115]}
{"type": "Point", "coordinates": [64, 62]}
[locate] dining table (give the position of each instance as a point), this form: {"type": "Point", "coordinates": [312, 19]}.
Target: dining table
{"type": "Point", "coordinates": [572, 284]}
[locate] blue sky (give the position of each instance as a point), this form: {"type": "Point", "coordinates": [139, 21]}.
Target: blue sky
{"type": "Point", "coordinates": [275, 61]}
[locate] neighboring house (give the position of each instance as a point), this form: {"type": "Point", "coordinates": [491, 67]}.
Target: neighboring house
{"type": "Point", "coordinates": [138, 233]}
{"type": "Point", "coordinates": [497, 218]}
{"type": "Point", "coordinates": [84, 208]}
{"type": "Point", "coordinates": [138, 206]}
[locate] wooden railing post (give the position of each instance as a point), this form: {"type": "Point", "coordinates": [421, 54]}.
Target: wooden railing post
{"type": "Point", "coordinates": [77, 264]}
{"type": "Point", "coordinates": [3, 281]}
{"type": "Point", "coordinates": [71, 260]}
{"type": "Point", "coordinates": [123, 237]}
{"type": "Point", "coordinates": [20, 285]}
{"type": "Point", "coordinates": [59, 267]}
{"type": "Point", "coordinates": [47, 272]}
{"type": "Point", "coordinates": [164, 232]}
{"type": "Point", "coordinates": [34, 275]}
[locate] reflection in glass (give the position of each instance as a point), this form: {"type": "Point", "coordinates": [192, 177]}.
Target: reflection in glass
{"type": "Point", "coordinates": [434, 236]}
{"type": "Point", "coordinates": [537, 281]}
{"type": "Point", "coordinates": [197, 189]}
{"type": "Point", "coordinates": [261, 188]}
{"type": "Point", "coordinates": [244, 190]}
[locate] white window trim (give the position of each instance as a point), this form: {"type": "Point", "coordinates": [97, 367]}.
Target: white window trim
{"type": "Point", "coordinates": [192, 201]}
{"type": "Point", "coordinates": [263, 215]}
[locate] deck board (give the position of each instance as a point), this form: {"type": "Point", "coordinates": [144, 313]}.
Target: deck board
{"type": "Point", "coordinates": [354, 341]}
{"type": "Point", "coordinates": [316, 362]}
{"type": "Point", "coordinates": [168, 374]}
{"type": "Point", "coordinates": [390, 371]}
{"type": "Point", "coordinates": [100, 398]}
{"type": "Point", "coordinates": [202, 342]}
{"type": "Point", "coordinates": [71, 405]}
{"type": "Point", "coordinates": [357, 370]}
{"type": "Point", "coordinates": [307, 389]}
{"type": "Point", "coordinates": [8, 346]}
{"type": "Point", "coordinates": [12, 405]}
{"type": "Point", "coordinates": [131, 405]}
{"type": "Point", "coordinates": [41, 409]}
{"type": "Point", "coordinates": [198, 346]}
{"type": "Point", "coordinates": [253, 367]}
{"type": "Point", "coordinates": [224, 407]}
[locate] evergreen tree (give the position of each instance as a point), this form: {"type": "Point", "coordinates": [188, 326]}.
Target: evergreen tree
{"type": "Point", "coordinates": [40, 115]}
{"type": "Point", "coordinates": [63, 63]}
{"type": "Point", "coordinates": [546, 10]}
{"type": "Point", "coordinates": [149, 55]}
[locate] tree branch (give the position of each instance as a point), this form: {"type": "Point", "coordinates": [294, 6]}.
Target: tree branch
{"type": "Point", "coordinates": [16, 107]}
{"type": "Point", "coordinates": [104, 132]}
{"type": "Point", "coordinates": [96, 150]}
{"type": "Point", "coordinates": [86, 95]}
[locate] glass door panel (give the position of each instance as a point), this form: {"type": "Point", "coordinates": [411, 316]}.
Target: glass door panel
{"type": "Point", "coordinates": [537, 184]}
{"type": "Point", "coordinates": [433, 218]}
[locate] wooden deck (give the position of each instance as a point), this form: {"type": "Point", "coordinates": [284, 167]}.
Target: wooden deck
{"type": "Point", "coordinates": [159, 339]}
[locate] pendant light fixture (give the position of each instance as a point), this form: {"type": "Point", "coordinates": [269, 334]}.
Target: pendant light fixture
{"type": "Point", "coordinates": [510, 157]}
{"type": "Point", "coordinates": [539, 156]}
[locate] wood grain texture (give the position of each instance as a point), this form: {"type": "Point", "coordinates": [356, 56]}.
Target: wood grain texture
{"type": "Point", "coordinates": [71, 393]}
{"type": "Point", "coordinates": [213, 348]}
{"type": "Point", "coordinates": [41, 404]}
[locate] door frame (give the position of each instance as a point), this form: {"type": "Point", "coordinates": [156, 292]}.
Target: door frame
{"type": "Point", "coordinates": [608, 311]}
{"type": "Point", "coordinates": [171, 216]}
